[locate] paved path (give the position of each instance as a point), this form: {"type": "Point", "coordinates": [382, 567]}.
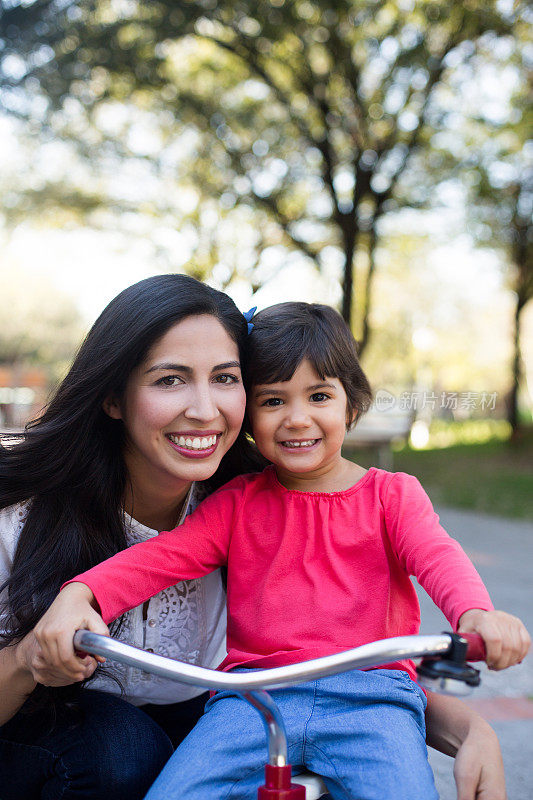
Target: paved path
{"type": "Point", "coordinates": [502, 551]}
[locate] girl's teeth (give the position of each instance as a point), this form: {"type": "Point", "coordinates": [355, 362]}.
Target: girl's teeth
{"type": "Point", "coordinates": [300, 444]}
{"type": "Point", "coordinates": [198, 443]}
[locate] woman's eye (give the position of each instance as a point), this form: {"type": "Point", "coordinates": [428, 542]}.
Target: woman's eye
{"type": "Point", "coordinates": [319, 397]}
{"type": "Point", "coordinates": [169, 380]}
{"type": "Point", "coordinates": [273, 401]}
{"type": "Point", "coordinates": [226, 379]}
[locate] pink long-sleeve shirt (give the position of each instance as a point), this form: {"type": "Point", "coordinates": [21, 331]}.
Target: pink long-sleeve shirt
{"type": "Point", "coordinates": [309, 573]}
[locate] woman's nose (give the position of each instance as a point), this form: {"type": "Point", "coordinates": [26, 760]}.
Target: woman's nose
{"type": "Point", "coordinates": [202, 405]}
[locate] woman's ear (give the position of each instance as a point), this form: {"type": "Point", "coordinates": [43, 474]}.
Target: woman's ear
{"type": "Point", "coordinates": [112, 408]}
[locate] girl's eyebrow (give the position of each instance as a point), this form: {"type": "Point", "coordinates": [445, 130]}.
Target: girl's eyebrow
{"type": "Point", "coordinates": [167, 366]}
{"type": "Point", "coordinates": [261, 392]}
{"type": "Point", "coordinates": [312, 388]}
{"type": "Point", "coordinates": [320, 386]}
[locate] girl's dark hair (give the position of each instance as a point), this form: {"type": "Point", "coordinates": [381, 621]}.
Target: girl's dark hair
{"type": "Point", "coordinates": [69, 463]}
{"type": "Point", "coordinates": [287, 333]}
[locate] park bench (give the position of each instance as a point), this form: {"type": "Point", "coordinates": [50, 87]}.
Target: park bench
{"type": "Point", "coordinates": [379, 430]}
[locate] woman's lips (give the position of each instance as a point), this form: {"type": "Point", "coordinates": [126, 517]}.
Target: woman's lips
{"type": "Point", "coordinates": [195, 444]}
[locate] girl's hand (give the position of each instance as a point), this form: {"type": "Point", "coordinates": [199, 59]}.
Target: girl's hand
{"type": "Point", "coordinates": [478, 766]}
{"type": "Point", "coordinates": [56, 660]}
{"type": "Point", "coordinates": [506, 638]}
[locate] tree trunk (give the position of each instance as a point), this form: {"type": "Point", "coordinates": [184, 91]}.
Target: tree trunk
{"type": "Point", "coordinates": [367, 299]}
{"type": "Point", "coordinates": [517, 371]}
{"type": "Point", "coordinates": [349, 236]}
{"type": "Point", "coordinates": [521, 252]}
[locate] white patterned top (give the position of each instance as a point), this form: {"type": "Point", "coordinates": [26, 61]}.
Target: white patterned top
{"type": "Point", "coordinates": [185, 622]}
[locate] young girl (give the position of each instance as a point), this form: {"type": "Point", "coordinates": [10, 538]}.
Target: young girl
{"type": "Point", "coordinates": [319, 553]}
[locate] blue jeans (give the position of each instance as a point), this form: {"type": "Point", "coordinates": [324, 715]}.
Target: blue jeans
{"type": "Point", "coordinates": [364, 732]}
{"type": "Point", "coordinates": [106, 748]}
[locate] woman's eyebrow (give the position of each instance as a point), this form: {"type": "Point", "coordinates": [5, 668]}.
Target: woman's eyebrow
{"type": "Point", "coordinates": [167, 366]}
{"type": "Point", "coordinates": [227, 365]}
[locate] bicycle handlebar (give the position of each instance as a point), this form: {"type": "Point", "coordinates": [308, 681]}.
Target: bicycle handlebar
{"type": "Point", "coordinates": [368, 655]}
{"type": "Point", "coordinates": [476, 650]}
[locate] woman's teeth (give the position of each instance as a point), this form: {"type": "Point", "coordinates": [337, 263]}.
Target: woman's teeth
{"type": "Point", "coordinates": [197, 443]}
{"type": "Point", "coordinates": [308, 443]}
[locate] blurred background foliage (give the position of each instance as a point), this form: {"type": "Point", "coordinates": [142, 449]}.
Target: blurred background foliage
{"type": "Point", "coordinates": [28, 319]}
{"type": "Point", "coordinates": [351, 143]}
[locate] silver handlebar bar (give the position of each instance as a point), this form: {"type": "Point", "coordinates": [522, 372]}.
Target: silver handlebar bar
{"type": "Point", "coordinates": [251, 685]}
{"type": "Point", "coordinates": [367, 655]}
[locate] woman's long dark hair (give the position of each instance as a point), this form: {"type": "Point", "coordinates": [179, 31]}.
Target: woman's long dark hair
{"type": "Point", "coordinates": [70, 465]}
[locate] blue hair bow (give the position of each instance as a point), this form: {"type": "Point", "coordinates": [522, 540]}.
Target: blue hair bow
{"type": "Point", "coordinates": [248, 316]}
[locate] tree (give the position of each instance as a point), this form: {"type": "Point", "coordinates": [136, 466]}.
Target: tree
{"type": "Point", "coordinates": [304, 112]}
{"type": "Point", "coordinates": [490, 152]}
{"type": "Point", "coordinates": [501, 188]}
{"type": "Point", "coordinates": [506, 206]}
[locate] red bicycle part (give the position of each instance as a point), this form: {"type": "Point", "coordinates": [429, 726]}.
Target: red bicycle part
{"type": "Point", "coordinates": [476, 650]}
{"type": "Point", "coordinates": [278, 785]}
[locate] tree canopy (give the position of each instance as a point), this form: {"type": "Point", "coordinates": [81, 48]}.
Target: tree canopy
{"type": "Point", "coordinates": [299, 116]}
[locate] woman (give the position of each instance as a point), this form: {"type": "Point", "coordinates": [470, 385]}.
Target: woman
{"type": "Point", "coordinates": [152, 404]}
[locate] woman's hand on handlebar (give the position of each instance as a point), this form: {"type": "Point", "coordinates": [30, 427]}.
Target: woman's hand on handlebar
{"type": "Point", "coordinates": [506, 638]}
{"type": "Point", "coordinates": [55, 662]}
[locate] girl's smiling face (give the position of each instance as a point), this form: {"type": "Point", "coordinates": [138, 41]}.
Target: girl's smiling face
{"type": "Point", "coordinates": [183, 407]}
{"type": "Point", "coordinates": [300, 424]}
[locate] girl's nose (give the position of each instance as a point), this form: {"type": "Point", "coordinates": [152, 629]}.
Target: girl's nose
{"type": "Point", "coordinates": [297, 418]}
{"type": "Point", "coordinates": [202, 405]}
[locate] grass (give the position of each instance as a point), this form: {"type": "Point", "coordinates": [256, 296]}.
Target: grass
{"type": "Point", "coordinates": [494, 477]}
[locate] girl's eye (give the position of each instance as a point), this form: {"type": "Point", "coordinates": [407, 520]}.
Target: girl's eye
{"type": "Point", "coordinates": [226, 379]}
{"type": "Point", "coordinates": [319, 397]}
{"type": "Point", "coordinates": [273, 401]}
{"type": "Point", "coordinates": [169, 380]}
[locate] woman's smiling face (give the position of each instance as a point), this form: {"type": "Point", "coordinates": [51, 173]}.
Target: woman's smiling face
{"type": "Point", "coordinates": [183, 406]}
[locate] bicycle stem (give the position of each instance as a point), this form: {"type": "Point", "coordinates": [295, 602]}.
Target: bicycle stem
{"type": "Point", "coordinates": [274, 726]}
